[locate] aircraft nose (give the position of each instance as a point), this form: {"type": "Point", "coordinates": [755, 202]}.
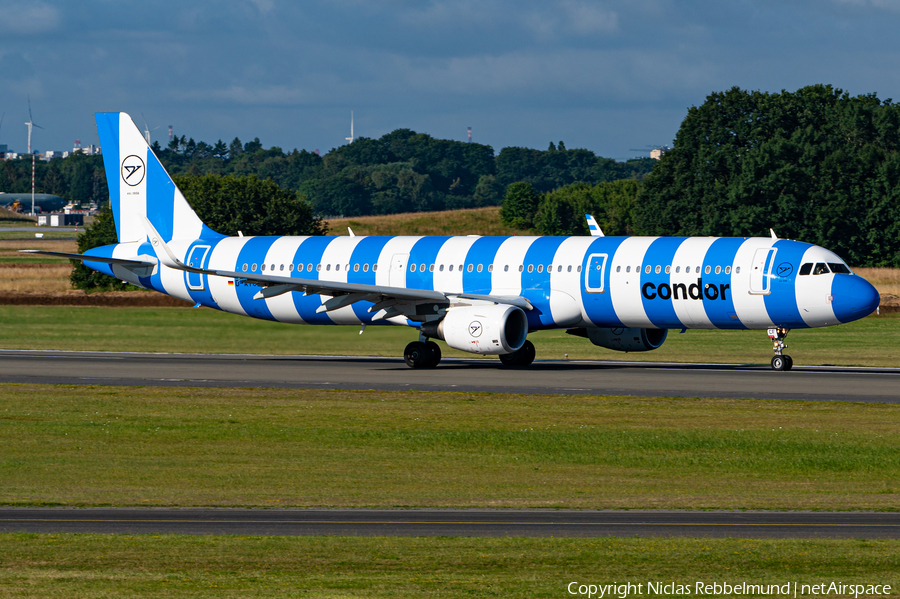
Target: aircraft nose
{"type": "Point", "coordinates": [854, 297]}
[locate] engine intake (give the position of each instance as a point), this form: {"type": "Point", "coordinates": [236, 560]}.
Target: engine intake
{"type": "Point", "coordinates": [622, 339]}
{"type": "Point", "coordinates": [486, 330]}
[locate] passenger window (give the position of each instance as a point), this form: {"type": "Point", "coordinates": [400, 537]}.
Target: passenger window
{"type": "Point", "coordinates": [677, 270]}
{"type": "Point", "coordinates": [820, 269]}
{"type": "Point", "coordinates": [431, 268]}
{"type": "Point", "coordinates": [291, 267]}
{"type": "Point", "coordinates": [647, 269]}
{"type": "Point", "coordinates": [281, 267]}
{"type": "Point", "coordinates": [375, 267]}
{"type": "Point", "coordinates": [451, 268]}
{"type": "Point", "coordinates": [327, 267]}
{"type": "Point", "coordinates": [579, 268]}
{"type": "Point", "coordinates": [309, 267]}
{"type": "Point", "coordinates": [253, 268]}
{"type": "Point", "coordinates": [319, 267]}
{"type": "Point", "coordinates": [245, 267]}
{"type": "Point", "coordinates": [718, 270]}
{"type": "Point", "coordinates": [708, 269]}
{"type": "Point", "coordinates": [337, 266]}
{"type": "Point", "coordinates": [356, 268]}
{"type": "Point", "coordinates": [569, 268]}
{"type": "Point", "coordinates": [559, 269]}
{"type": "Point", "coordinates": [540, 268]}
{"type": "Point", "coordinates": [412, 268]}
{"type": "Point", "coordinates": [619, 268]}
{"type": "Point", "coordinates": [469, 269]}
{"type": "Point", "coordinates": [627, 269]}
{"type": "Point", "coordinates": [727, 270]}
{"type": "Point", "coordinates": [490, 268]}
{"type": "Point", "coordinates": [506, 268]}
{"type": "Point", "coordinates": [806, 269]}
{"type": "Point", "coordinates": [737, 270]}
{"type": "Point", "coordinates": [687, 269]}
{"type": "Point", "coordinates": [658, 269]}
{"type": "Point", "coordinates": [668, 269]}
{"type": "Point", "coordinates": [531, 268]}
{"type": "Point", "coordinates": [480, 268]}
{"type": "Point", "coordinates": [264, 268]}
{"type": "Point", "coordinates": [272, 267]}
{"type": "Point", "coordinates": [521, 268]}
{"type": "Point", "coordinates": [838, 268]}
{"type": "Point", "coordinates": [422, 267]}
{"type": "Point", "coordinates": [441, 268]}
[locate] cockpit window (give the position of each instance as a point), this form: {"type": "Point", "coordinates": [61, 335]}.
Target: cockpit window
{"type": "Point", "coordinates": [820, 269]}
{"type": "Point", "coordinates": [806, 268]}
{"type": "Point", "coordinates": [839, 268]}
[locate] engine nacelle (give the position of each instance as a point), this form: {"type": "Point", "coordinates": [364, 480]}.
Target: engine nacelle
{"type": "Point", "coordinates": [622, 339]}
{"type": "Point", "coordinates": [487, 330]}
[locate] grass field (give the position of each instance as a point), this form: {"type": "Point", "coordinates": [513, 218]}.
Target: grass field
{"type": "Point", "coordinates": [83, 445]}
{"type": "Point", "coordinates": [475, 221]}
{"type": "Point", "coordinates": [74, 566]}
{"type": "Point", "coordinates": [873, 341]}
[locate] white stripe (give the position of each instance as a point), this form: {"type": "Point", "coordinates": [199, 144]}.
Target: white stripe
{"type": "Point", "coordinates": [691, 253]}
{"type": "Point", "coordinates": [224, 257]}
{"type": "Point", "coordinates": [750, 308]}
{"type": "Point", "coordinates": [625, 287]}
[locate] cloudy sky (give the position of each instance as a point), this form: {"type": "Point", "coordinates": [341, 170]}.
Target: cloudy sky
{"type": "Point", "coordinates": [607, 76]}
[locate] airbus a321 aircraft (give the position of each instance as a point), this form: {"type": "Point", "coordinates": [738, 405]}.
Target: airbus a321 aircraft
{"type": "Point", "coordinates": [479, 294]}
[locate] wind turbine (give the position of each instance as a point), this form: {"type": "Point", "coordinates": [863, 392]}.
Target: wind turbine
{"type": "Point", "coordinates": [351, 138]}
{"type": "Point", "coordinates": [31, 124]}
{"type": "Point", "coordinates": [147, 129]}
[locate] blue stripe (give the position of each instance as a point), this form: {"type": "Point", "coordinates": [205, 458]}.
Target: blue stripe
{"type": "Point", "coordinates": [535, 285]}
{"type": "Point", "coordinates": [108, 131]}
{"type": "Point", "coordinates": [661, 312]}
{"type": "Point", "coordinates": [367, 251]}
{"type": "Point", "coordinates": [253, 252]}
{"type": "Point", "coordinates": [425, 252]}
{"type": "Point", "coordinates": [311, 252]}
{"type": "Point", "coordinates": [103, 251]}
{"type": "Point", "coordinates": [781, 303]}
{"type": "Point", "coordinates": [720, 311]}
{"type": "Point", "coordinates": [160, 197]}
{"type": "Point", "coordinates": [482, 252]}
{"type": "Point", "coordinates": [599, 306]}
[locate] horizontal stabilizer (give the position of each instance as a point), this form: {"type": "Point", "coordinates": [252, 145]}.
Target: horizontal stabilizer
{"type": "Point", "coordinates": [99, 259]}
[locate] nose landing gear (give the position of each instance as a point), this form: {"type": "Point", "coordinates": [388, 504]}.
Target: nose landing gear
{"type": "Point", "coordinates": [780, 361]}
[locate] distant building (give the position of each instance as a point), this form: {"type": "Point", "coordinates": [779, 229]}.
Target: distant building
{"type": "Point", "coordinates": [50, 155]}
{"type": "Point", "coordinates": [656, 153]}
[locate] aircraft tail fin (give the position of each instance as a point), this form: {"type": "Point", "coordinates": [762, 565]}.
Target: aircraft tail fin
{"type": "Point", "coordinates": [140, 187]}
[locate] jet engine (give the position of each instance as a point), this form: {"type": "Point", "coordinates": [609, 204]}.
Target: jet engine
{"type": "Point", "coordinates": [487, 330]}
{"type": "Point", "coordinates": [622, 339]}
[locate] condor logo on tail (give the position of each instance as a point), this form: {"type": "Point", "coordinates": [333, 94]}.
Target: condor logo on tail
{"type": "Point", "coordinates": [694, 291]}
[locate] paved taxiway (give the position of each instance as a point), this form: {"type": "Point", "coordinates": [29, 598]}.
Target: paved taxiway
{"type": "Point", "coordinates": [552, 377]}
{"type": "Point", "coordinates": [492, 523]}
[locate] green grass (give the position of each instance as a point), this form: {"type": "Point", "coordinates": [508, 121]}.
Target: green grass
{"type": "Point", "coordinates": [873, 341]}
{"type": "Point", "coordinates": [81, 445]}
{"type": "Point", "coordinates": [48, 232]}
{"type": "Point", "coordinates": [60, 565]}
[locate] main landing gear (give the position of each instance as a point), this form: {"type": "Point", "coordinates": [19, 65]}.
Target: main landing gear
{"type": "Point", "coordinates": [523, 356]}
{"type": "Point", "coordinates": [422, 354]}
{"type": "Point", "coordinates": [780, 361]}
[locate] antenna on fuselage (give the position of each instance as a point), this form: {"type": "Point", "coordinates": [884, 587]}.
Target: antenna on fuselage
{"type": "Point", "coordinates": [772, 231]}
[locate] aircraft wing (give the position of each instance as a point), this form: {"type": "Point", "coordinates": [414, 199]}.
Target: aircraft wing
{"type": "Point", "coordinates": [395, 300]}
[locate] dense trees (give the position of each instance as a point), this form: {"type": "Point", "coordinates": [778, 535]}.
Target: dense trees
{"type": "Point", "coordinates": [816, 165]}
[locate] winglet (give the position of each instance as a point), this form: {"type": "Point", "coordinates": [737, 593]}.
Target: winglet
{"type": "Point", "coordinates": [593, 227]}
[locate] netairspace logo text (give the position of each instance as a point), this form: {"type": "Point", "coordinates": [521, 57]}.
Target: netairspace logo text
{"type": "Point", "coordinates": [700, 589]}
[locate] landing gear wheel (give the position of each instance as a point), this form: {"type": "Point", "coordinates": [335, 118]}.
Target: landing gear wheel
{"type": "Point", "coordinates": [417, 355]}
{"type": "Point", "coordinates": [523, 356]}
{"type": "Point", "coordinates": [779, 363]}
{"type": "Point", "coordinates": [789, 362]}
{"type": "Point", "coordinates": [435, 350]}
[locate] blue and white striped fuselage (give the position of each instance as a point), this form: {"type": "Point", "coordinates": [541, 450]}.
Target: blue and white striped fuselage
{"type": "Point", "coordinates": [571, 282]}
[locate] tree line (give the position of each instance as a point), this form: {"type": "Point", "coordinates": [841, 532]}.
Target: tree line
{"type": "Point", "coordinates": [816, 165]}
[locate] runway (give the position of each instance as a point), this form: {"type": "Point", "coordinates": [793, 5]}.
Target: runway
{"type": "Point", "coordinates": [470, 523]}
{"type": "Point", "coordinates": [468, 375]}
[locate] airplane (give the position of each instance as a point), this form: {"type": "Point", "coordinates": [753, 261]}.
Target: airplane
{"type": "Point", "coordinates": [481, 295]}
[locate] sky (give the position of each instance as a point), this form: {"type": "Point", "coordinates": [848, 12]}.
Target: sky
{"type": "Point", "coordinates": [613, 77]}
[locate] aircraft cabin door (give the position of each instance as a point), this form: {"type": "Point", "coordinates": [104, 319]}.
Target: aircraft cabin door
{"type": "Point", "coordinates": [197, 259]}
{"type": "Point", "coordinates": [397, 277]}
{"type": "Point", "coordinates": [595, 276]}
{"type": "Point", "coordinates": [761, 271]}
